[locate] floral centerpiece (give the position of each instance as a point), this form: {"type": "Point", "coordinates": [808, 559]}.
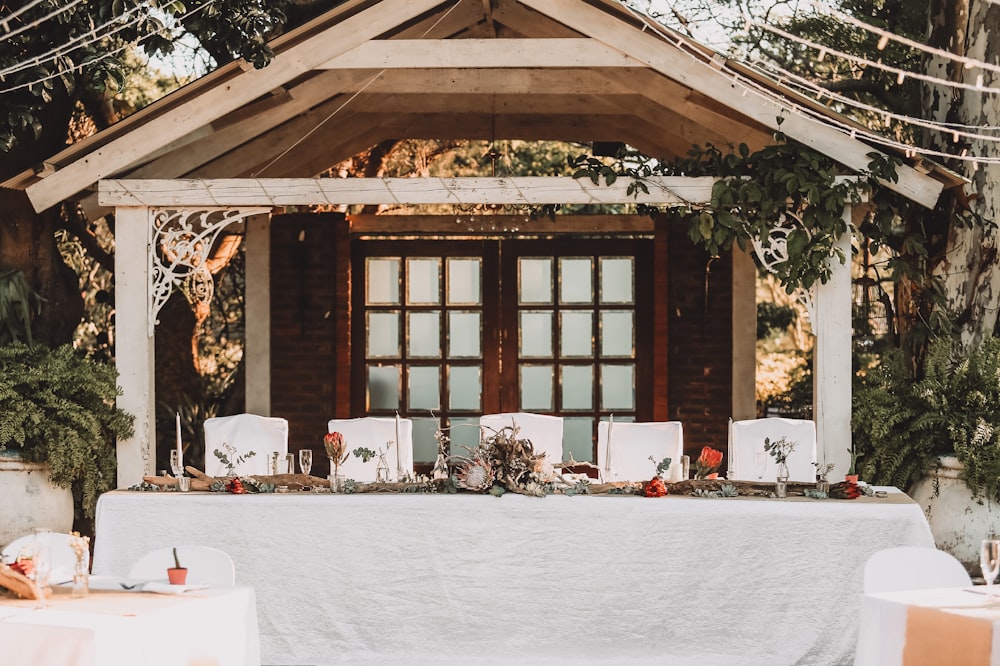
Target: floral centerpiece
{"type": "Point", "coordinates": [707, 463]}
{"type": "Point", "coordinates": [336, 451]}
{"type": "Point", "coordinates": [779, 450]}
{"type": "Point", "coordinates": [503, 462]}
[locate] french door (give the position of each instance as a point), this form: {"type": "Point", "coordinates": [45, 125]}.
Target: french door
{"type": "Point", "coordinates": [467, 327]}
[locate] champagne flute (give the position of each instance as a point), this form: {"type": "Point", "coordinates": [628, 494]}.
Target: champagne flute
{"type": "Point", "coordinates": [989, 561]}
{"type": "Point", "coordinates": [305, 460]}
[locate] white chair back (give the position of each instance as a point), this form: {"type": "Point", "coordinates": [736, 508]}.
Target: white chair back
{"type": "Point", "coordinates": [60, 552]}
{"type": "Point", "coordinates": [205, 565]}
{"type": "Point", "coordinates": [544, 432]}
{"type": "Point", "coordinates": [624, 449]}
{"type": "Point", "coordinates": [374, 433]}
{"type": "Point", "coordinates": [264, 435]}
{"type": "Point", "coordinates": [913, 568]}
{"type": "Point", "coordinates": [748, 441]}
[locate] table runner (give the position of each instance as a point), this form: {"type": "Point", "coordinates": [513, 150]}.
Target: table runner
{"type": "Point", "coordinates": [935, 637]}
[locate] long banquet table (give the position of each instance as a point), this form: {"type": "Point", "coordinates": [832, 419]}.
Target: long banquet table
{"type": "Point", "coordinates": [118, 628]}
{"type": "Point", "coordinates": [420, 578]}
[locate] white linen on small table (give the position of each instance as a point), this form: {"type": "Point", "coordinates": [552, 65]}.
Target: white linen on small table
{"type": "Point", "coordinates": [422, 578]}
{"type": "Point", "coordinates": [213, 626]}
{"type": "Point", "coordinates": [883, 634]}
{"type": "Point", "coordinates": [376, 433]}
{"type": "Point", "coordinates": [632, 446]}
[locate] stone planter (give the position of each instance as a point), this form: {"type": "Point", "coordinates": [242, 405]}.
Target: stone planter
{"type": "Point", "coordinates": [958, 521]}
{"type": "Point", "coordinates": [30, 500]}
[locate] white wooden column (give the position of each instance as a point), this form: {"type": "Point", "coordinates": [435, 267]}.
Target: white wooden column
{"type": "Point", "coordinates": [832, 362]}
{"type": "Point", "coordinates": [257, 351]}
{"type": "Point", "coordinates": [744, 309]}
{"type": "Point", "coordinates": [134, 345]}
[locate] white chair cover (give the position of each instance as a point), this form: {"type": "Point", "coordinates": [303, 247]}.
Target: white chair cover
{"type": "Point", "coordinates": [264, 435]}
{"type": "Point", "coordinates": [545, 432]}
{"type": "Point", "coordinates": [375, 432]}
{"type": "Point", "coordinates": [205, 565]}
{"type": "Point", "coordinates": [61, 553]}
{"type": "Point", "coordinates": [632, 445]}
{"type": "Point", "coordinates": [748, 440]}
{"type": "Point", "coordinates": [913, 568]}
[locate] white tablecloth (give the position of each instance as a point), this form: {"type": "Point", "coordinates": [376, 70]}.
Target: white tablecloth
{"type": "Point", "coordinates": [423, 578]}
{"type": "Point", "coordinates": [883, 634]}
{"type": "Point", "coordinates": [212, 626]}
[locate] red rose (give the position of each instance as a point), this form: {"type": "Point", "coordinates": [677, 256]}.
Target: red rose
{"type": "Point", "coordinates": [655, 487]}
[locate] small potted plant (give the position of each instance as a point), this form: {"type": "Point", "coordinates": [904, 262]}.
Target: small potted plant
{"type": "Point", "coordinates": [852, 471]}
{"type": "Point", "coordinates": [177, 575]}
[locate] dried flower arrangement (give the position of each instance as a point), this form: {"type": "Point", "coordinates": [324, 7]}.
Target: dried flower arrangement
{"type": "Point", "coordinates": [503, 459]}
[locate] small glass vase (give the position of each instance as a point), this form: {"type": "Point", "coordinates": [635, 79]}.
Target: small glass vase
{"type": "Point", "coordinates": [781, 487]}
{"type": "Point", "coordinates": [440, 471]}
{"type": "Point", "coordinates": [382, 470]}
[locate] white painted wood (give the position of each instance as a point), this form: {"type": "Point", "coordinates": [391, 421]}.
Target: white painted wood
{"type": "Point", "coordinates": [257, 352]}
{"type": "Point", "coordinates": [134, 346]}
{"type": "Point", "coordinates": [490, 53]}
{"type": "Point", "coordinates": [832, 362]}
{"type": "Point", "coordinates": [222, 99]}
{"type": "Point", "coordinates": [744, 313]}
{"type": "Point", "coordinates": [337, 191]}
{"type": "Point", "coordinates": [718, 85]}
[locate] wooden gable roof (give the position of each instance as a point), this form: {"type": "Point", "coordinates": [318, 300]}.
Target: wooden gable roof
{"type": "Point", "coordinates": [370, 70]}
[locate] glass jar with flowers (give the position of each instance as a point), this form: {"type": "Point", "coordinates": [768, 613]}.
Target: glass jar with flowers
{"type": "Point", "coordinates": [337, 452]}
{"type": "Point", "coordinates": [779, 450]}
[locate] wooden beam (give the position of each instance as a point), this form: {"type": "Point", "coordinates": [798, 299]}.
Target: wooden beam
{"type": "Point", "coordinates": [518, 17]}
{"type": "Point", "coordinates": [480, 53]}
{"type": "Point", "coordinates": [349, 191]}
{"type": "Point", "coordinates": [216, 102]}
{"type": "Point", "coordinates": [482, 223]}
{"type": "Point", "coordinates": [488, 12]}
{"type": "Point", "coordinates": [685, 68]}
{"type": "Point", "coordinates": [493, 81]}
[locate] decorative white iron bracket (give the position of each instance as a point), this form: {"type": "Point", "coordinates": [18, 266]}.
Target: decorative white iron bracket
{"type": "Point", "coordinates": [180, 242]}
{"type": "Point", "coordinates": [775, 253]}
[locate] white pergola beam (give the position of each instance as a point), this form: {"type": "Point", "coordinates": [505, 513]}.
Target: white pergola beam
{"type": "Point", "coordinates": [717, 85]}
{"type": "Point", "coordinates": [480, 53]}
{"type": "Point", "coordinates": [415, 191]}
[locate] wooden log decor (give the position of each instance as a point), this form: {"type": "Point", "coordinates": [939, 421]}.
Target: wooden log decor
{"type": "Point", "coordinates": [751, 488]}
{"type": "Point", "coordinates": [18, 583]}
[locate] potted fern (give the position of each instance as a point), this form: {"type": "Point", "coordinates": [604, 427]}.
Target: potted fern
{"type": "Point", "coordinates": [57, 407]}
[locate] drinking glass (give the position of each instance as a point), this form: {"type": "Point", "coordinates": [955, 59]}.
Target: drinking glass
{"type": "Point", "coordinates": [175, 463]}
{"type": "Point", "coordinates": [42, 563]}
{"type": "Point", "coordinates": [989, 561]}
{"type": "Point", "coordinates": [305, 460]}
{"type": "Point", "coordinates": [760, 464]}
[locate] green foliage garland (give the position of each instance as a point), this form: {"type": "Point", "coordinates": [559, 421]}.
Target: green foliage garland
{"type": "Point", "coordinates": [59, 407]}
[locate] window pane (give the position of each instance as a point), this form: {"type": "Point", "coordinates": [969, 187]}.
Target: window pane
{"type": "Point", "coordinates": [463, 281]}
{"type": "Point", "coordinates": [537, 387]}
{"type": "Point", "coordinates": [424, 388]}
{"type": "Point", "coordinates": [463, 432]}
{"type": "Point", "coordinates": [576, 280]}
{"type": "Point", "coordinates": [616, 280]}
{"type": "Point", "coordinates": [465, 388]}
{"type": "Point", "coordinates": [617, 387]}
{"type": "Point", "coordinates": [383, 335]}
{"type": "Point", "coordinates": [383, 387]}
{"type": "Point", "coordinates": [464, 335]}
{"type": "Point", "coordinates": [423, 281]}
{"type": "Point", "coordinates": [535, 280]}
{"type": "Point", "coordinates": [535, 334]}
{"type": "Point", "coordinates": [617, 333]}
{"type": "Point", "coordinates": [383, 281]}
{"type": "Point", "coordinates": [423, 339]}
{"type": "Point", "coordinates": [578, 438]}
{"type": "Point", "coordinates": [576, 333]}
{"type": "Point", "coordinates": [577, 385]}
{"type": "Point", "coordinates": [424, 444]}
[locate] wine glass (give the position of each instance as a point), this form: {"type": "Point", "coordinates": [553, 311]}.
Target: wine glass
{"type": "Point", "coordinates": [760, 464]}
{"type": "Point", "coordinates": [989, 561]}
{"type": "Point", "coordinates": [176, 466]}
{"type": "Point", "coordinates": [41, 561]}
{"type": "Point", "coordinates": [305, 460]}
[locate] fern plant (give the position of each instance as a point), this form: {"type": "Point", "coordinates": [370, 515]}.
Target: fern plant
{"type": "Point", "coordinates": [57, 406]}
{"type": "Point", "coordinates": [902, 425]}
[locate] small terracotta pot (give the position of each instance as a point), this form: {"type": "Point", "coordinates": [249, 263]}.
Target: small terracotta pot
{"type": "Point", "coordinates": [177, 576]}
{"type": "Point", "coordinates": [851, 478]}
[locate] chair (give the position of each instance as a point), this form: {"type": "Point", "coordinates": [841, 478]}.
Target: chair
{"type": "Point", "coordinates": [544, 432]}
{"type": "Point", "coordinates": [633, 444]}
{"type": "Point", "coordinates": [205, 565]}
{"type": "Point", "coordinates": [913, 568]}
{"type": "Point", "coordinates": [264, 435]}
{"type": "Point", "coordinates": [374, 433]}
{"type": "Point", "coordinates": [747, 439]}
{"type": "Point", "coordinates": [61, 553]}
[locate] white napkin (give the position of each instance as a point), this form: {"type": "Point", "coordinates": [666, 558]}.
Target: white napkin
{"type": "Point", "coordinates": [160, 587]}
